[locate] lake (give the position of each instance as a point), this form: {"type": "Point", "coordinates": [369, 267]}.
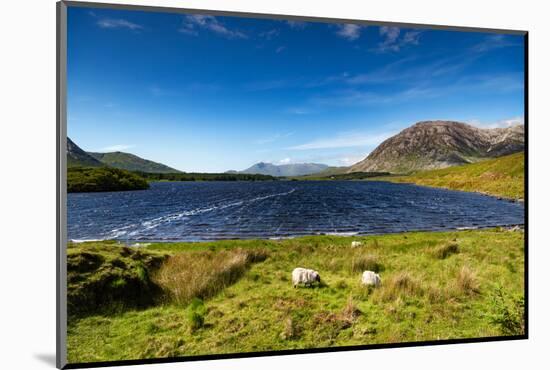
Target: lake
{"type": "Point", "coordinates": [198, 211]}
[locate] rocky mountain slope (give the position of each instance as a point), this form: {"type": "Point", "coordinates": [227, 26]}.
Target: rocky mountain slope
{"type": "Point", "coordinates": [76, 157]}
{"type": "Point", "coordinates": [294, 169]}
{"type": "Point", "coordinates": [440, 144]}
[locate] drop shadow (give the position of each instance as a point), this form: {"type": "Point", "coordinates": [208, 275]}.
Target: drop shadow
{"type": "Point", "coordinates": [46, 358]}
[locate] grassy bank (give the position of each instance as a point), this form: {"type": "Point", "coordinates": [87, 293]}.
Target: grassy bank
{"type": "Point", "coordinates": [237, 296]}
{"type": "Point", "coordinates": [503, 177]}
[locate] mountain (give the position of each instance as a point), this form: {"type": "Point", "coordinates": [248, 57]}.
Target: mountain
{"type": "Point", "coordinates": [77, 157]}
{"type": "Point", "coordinates": [294, 169]}
{"type": "Point", "coordinates": [440, 144]}
{"type": "Point", "coordinates": [131, 162]}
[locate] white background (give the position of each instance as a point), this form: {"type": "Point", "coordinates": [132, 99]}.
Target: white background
{"type": "Point", "coordinates": [27, 246]}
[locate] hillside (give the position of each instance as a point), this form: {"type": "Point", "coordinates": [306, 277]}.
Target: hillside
{"type": "Point", "coordinates": [503, 177]}
{"type": "Point", "coordinates": [131, 162]}
{"type": "Point", "coordinates": [294, 169]}
{"type": "Point", "coordinates": [76, 157]}
{"type": "Point", "coordinates": [440, 144]}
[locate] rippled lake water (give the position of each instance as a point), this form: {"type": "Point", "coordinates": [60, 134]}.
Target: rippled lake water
{"type": "Point", "coordinates": [194, 211]}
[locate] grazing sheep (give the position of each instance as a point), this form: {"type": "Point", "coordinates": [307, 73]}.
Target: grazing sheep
{"type": "Point", "coordinates": [304, 276]}
{"type": "Point", "coordinates": [371, 278]}
{"type": "Point", "coordinates": [356, 244]}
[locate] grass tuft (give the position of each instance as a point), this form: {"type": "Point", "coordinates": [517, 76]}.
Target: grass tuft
{"type": "Point", "coordinates": [443, 251]}
{"type": "Point", "coordinates": [466, 281]}
{"type": "Point", "coordinates": [363, 263]}
{"type": "Point", "coordinates": [397, 286]}
{"type": "Point", "coordinates": [203, 274]}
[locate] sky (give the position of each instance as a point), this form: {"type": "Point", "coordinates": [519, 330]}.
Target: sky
{"type": "Point", "coordinates": [211, 94]}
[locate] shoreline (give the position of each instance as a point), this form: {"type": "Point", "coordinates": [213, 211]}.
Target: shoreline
{"type": "Point", "coordinates": [135, 242]}
{"type": "Point", "coordinates": [486, 194]}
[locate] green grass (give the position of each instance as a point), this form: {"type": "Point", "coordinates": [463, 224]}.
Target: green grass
{"type": "Point", "coordinates": [502, 177]}
{"type": "Point", "coordinates": [430, 290]}
{"type": "Point", "coordinates": [96, 179]}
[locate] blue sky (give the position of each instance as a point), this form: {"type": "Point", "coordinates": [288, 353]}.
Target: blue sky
{"type": "Point", "coordinates": [210, 94]}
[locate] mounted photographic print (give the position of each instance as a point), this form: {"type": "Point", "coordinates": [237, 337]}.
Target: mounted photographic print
{"type": "Point", "coordinates": [236, 184]}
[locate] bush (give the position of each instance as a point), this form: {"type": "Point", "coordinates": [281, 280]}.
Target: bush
{"type": "Point", "coordinates": [96, 179]}
{"type": "Point", "coordinates": [195, 314]}
{"type": "Point", "coordinates": [508, 312]}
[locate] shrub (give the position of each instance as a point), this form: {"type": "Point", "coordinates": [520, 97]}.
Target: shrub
{"type": "Point", "coordinates": [444, 251]}
{"type": "Point", "coordinates": [195, 314]}
{"type": "Point", "coordinates": [508, 312]}
{"type": "Point", "coordinates": [93, 179]}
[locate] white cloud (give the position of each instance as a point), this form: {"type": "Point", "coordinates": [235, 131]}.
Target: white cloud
{"type": "Point", "coordinates": [349, 31]}
{"type": "Point", "coordinates": [510, 122]}
{"type": "Point", "coordinates": [493, 84]}
{"type": "Point", "coordinates": [193, 23]}
{"type": "Point", "coordinates": [285, 161]}
{"type": "Point", "coordinates": [492, 42]}
{"type": "Point", "coordinates": [118, 23]}
{"type": "Point", "coordinates": [345, 140]}
{"type": "Point", "coordinates": [350, 160]}
{"type": "Point", "coordinates": [296, 24]}
{"type": "Point", "coordinates": [268, 35]}
{"type": "Point", "coordinates": [394, 40]}
{"type": "Point", "coordinates": [116, 148]}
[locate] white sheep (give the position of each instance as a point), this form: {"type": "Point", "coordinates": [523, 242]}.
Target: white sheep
{"type": "Point", "coordinates": [304, 276]}
{"type": "Point", "coordinates": [356, 244]}
{"type": "Point", "coordinates": [371, 278]}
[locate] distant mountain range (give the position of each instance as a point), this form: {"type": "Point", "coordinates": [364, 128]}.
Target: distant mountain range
{"type": "Point", "coordinates": [425, 145]}
{"type": "Point", "coordinates": [439, 144]}
{"type": "Point", "coordinates": [76, 157]}
{"type": "Point", "coordinates": [294, 169]}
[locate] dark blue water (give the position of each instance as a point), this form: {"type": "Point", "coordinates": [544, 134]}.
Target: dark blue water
{"type": "Point", "coordinates": [228, 210]}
